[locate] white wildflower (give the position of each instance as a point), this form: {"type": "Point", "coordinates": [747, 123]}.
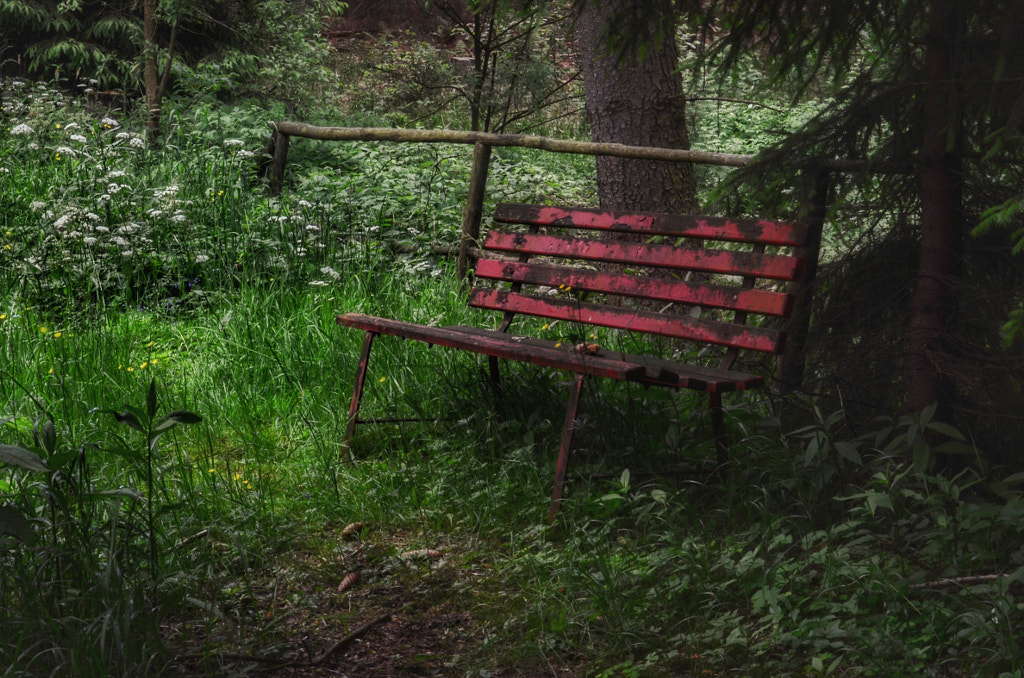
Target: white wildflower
{"type": "Point", "coordinates": [127, 253]}
{"type": "Point", "coordinates": [233, 142]}
{"type": "Point", "coordinates": [128, 228]}
{"type": "Point", "coordinates": [318, 283]}
{"type": "Point", "coordinates": [79, 138]}
{"type": "Point", "coordinates": [297, 218]}
{"type": "Point", "coordinates": [119, 241]}
{"type": "Point", "coordinates": [202, 258]}
{"type": "Point", "coordinates": [63, 222]}
{"type": "Point", "coordinates": [36, 205]}
{"type": "Point", "coordinates": [33, 146]}
{"type": "Point", "coordinates": [305, 204]}
{"type": "Point", "coordinates": [102, 229]}
{"type": "Point", "coordinates": [89, 241]}
{"type": "Point", "coordinates": [167, 191]}
{"type": "Point", "coordinates": [244, 153]}
{"type": "Point", "coordinates": [92, 216]}
{"type": "Point", "coordinates": [22, 129]}
{"type": "Point", "coordinates": [312, 228]}
{"type": "Point", "coordinates": [70, 126]}
{"type": "Point", "coordinates": [327, 270]}
{"type": "Point", "coordinates": [116, 174]}
{"type": "Point", "coordinates": [178, 217]}
{"type": "Point", "coordinates": [110, 123]}
{"type": "Point", "coordinates": [154, 213]}
{"type": "Point", "coordinates": [137, 142]}
{"type": "Point", "coordinates": [300, 251]}
{"type": "Point", "coordinates": [64, 150]}
{"type": "Point", "coordinates": [122, 136]}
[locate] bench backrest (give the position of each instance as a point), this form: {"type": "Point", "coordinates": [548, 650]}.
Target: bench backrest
{"type": "Point", "coordinates": [708, 272]}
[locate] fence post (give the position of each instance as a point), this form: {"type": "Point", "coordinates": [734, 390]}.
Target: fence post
{"type": "Point", "coordinates": [474, 205]}
{"type": "Point", "coordinates": [794, 356]}
{"type": "Point", "coordinates": [280, 160]}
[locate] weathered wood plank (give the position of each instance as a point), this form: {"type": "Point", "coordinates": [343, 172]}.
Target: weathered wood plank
{"type": "Point", "coordinates": [765, 302]}
{"type": "Point", "coordinates": [658, 371]}
{"type": "Point", "coordinates": [500, 345]}
{"type": "Point", "coordinates": [772, 266]}
{"type": "Point", "coordinates": [673, 225]}
{"type": "Point", "coordinates": [677, 326]}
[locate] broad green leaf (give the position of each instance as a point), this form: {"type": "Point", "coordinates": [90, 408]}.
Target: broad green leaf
{"type": "Point", "coordinates": [14, 523]}
{"type": "Point", "coordinates": [164, 425]}
{"type": "Point", "coordinates": [848, 451]}
{"type": "Point", "coordinates": [13, 455]}
{"type": "Point", "coordinates": [183, 417]}
{"type": "Point", "coordinates": [946, 430]}
{"type": "Point", "coordinates": [129, 418]}
{"type": "Point", "coordinates": [876, 499]}
{"type": "Point", "coordinates": [57, 461]}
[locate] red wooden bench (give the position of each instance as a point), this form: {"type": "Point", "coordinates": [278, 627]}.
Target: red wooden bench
{"type": "Point", "coordinates": [573, 265]}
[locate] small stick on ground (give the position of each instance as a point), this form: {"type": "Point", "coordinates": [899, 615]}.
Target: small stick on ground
{"type": "Point", "coordinates": [349, 638]}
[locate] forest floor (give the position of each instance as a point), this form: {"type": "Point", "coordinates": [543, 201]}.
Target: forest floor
{"type": "Point", "coordinates": [382, 605]}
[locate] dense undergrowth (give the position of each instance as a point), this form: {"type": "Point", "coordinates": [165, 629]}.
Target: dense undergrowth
{"type": "Point", "coordinates": [146, 286]}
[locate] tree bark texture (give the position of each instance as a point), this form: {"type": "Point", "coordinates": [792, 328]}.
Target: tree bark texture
{"type": "Point", "coordinates": [942, 236]}
{"type": "Point", "coordinates": [638, 102]}
{"type": "Point", "coordinates": [150, 71]}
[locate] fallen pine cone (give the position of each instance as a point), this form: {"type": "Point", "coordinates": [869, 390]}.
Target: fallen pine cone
{"type": "Point", "coordinates": [348, 581]}
{"type": "Point", "coordinates": [351, 530]}
{"type": "Point", "coordinates": [423, 553]}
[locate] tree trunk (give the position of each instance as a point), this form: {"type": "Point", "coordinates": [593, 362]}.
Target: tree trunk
{"type": "Point", "coordinates": [638, 102]}
{"type": "Point", "coordinates": [150, 72]}
{"type": "Point", "coordinates": [942, 235]}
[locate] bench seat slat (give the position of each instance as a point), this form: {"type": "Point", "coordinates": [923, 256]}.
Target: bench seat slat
{"type": "Point", "coordinates": [500, 345]}
{"type": "Point", "coordinates": [678, 225]}
{"type": "Point", "coordinates": [772, 266]}
{"type": "Point", "coordinates": [657, 371]}
{"type": "Point", "coordinates": [660, 289]}
{"type": "Point", "coordinates": [677, 326]}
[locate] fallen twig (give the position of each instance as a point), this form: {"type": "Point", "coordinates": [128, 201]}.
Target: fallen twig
{"type": "Point", "coordinates": [349, 638]}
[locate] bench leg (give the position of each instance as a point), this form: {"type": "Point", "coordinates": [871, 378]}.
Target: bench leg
{"type": "Point", "coordinates": [357, 392]}
{"type": "Point", "coordinates": [492, 363]}
{"type": "Point", "coordinates": [566, 445]}
{"type": "Point", "coordinates": [718, 425]}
